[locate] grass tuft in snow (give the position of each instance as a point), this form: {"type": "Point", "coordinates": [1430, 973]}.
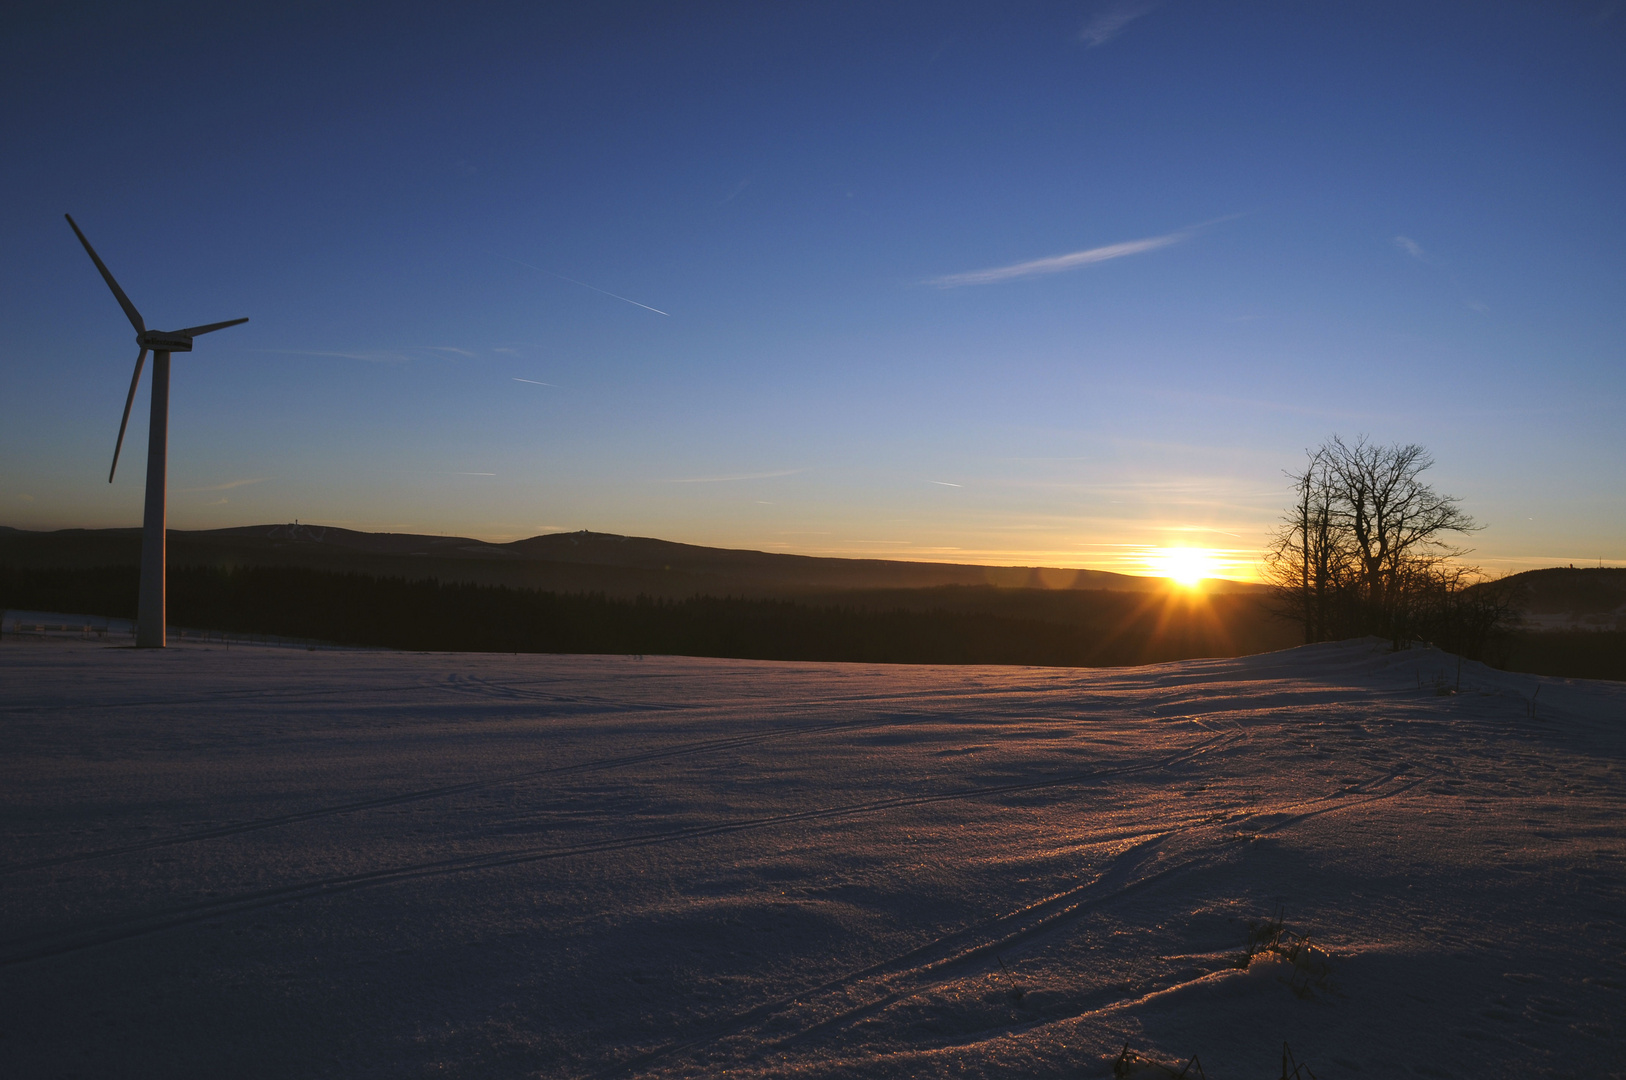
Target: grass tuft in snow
{"type": "Point", "coordinates": [1016, 991]}
{"type": "Point", "coordinates": [1299, 1071]}
{"type": "Point", "coordinates": [1131, 1064]}
{"type": "Point", "coordinates": [1271, 938]}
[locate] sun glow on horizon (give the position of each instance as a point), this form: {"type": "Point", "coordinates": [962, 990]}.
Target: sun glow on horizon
{"type": "Point", "coordinates": [1186, 565]}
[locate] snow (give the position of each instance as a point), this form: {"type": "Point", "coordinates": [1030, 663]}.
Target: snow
{"type": "Point", "coordinates": [273, 862]}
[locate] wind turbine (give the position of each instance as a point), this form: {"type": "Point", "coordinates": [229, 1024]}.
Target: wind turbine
{"type": "Point", "coordinates": [150, 604]}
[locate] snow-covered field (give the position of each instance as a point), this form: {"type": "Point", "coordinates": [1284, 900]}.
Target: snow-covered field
{"type": "Point", "coordinates": [272, 862]}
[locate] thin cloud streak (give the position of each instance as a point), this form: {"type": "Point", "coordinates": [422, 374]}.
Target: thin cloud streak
{"type": "Point", "coordinates": [741, 476]}
{"type": "Point", "coordinates": [379, 357]}
{"type": "Point", "coordinates": [1415, 250]}
{"type": "Point", "coordinates": [534, 382]}
{"type": "Point", "coordinates": [584, 285]}
{"type": "Point", "coordinates": [1109, 23]}
{"type": "Point", "coordinates": [944, 483]}
{"type": "Point", "coordinates": [227, 486]}
{"type": "Point", "coordinates": [1056, 264]}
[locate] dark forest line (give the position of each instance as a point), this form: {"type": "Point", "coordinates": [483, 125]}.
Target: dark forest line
{"type": "Point", "coordinates": [950, 625]}
{"type": "Point", "coordinates": [946, 625]}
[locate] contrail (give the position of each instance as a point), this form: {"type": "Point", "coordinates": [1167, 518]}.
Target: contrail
{"type": "Point", "coordinates": [534, 382]}
{"type": "Point", "coordinates": [1057, 263]}
{"type": "Point", "coordinates": [584, 285]}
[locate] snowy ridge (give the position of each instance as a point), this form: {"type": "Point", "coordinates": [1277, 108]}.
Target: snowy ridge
{"type": "Point", "coordinates": [618, 867]}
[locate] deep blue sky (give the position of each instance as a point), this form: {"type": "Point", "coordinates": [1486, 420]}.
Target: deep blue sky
{"type": "Point", "coordinates": [1400, 220]}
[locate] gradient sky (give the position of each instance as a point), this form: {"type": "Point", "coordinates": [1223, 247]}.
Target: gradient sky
{"type": "Point", "coordinates": [1045, 283]}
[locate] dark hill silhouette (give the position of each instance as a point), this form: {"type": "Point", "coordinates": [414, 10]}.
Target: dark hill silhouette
{"type": "Point", "coordinates": [598, 592]}
{"type": "Point", "coordinates": [617, 566]}
{"type": "Point", "coordinates": [1570, 598]}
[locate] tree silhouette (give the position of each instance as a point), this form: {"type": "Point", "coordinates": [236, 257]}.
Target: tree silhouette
{"type": "Point", "coordinates": [1364, 550]}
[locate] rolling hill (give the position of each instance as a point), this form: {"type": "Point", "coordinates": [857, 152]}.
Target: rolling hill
{"type": "Point", "coordinates": [617, 566]}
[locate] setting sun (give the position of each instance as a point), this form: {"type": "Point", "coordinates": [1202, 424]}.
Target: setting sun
{"type": "Point", "coordinates": [1188, 566]}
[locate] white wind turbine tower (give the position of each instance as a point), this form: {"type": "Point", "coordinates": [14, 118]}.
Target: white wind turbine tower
{"type": "Point", "coordinates": [150, 609]}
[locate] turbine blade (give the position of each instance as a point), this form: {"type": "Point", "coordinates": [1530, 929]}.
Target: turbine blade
{"type": "Point", "coordinates": [134, 381]}
{"type": "Point", "coordinates": [194, 331]}
{"type": "Point", "coordinates": [118, 293]}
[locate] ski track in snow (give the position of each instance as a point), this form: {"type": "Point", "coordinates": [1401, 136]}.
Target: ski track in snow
{"type": "Point", "coordinates": [273, 862]}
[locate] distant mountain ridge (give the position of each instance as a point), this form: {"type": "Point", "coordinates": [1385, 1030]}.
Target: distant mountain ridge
{"type": "Point", "coordinates": [1570, 598]}
{"type": "Point", "coordinates": [562, 562]}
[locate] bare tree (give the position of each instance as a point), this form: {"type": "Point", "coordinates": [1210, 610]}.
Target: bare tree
{"type": "Point", "coordinates": [1363, 550]}
{"type": "Point", "coordinates": [1394, 519]}
{"type": "Point", "coordinates": [1308, 561]}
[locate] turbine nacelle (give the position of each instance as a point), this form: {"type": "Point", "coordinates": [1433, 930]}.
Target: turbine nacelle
{"type": "Point", "coordinates": [164, 341]}
{"type": "Point", "coordinates": [179, 340]}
